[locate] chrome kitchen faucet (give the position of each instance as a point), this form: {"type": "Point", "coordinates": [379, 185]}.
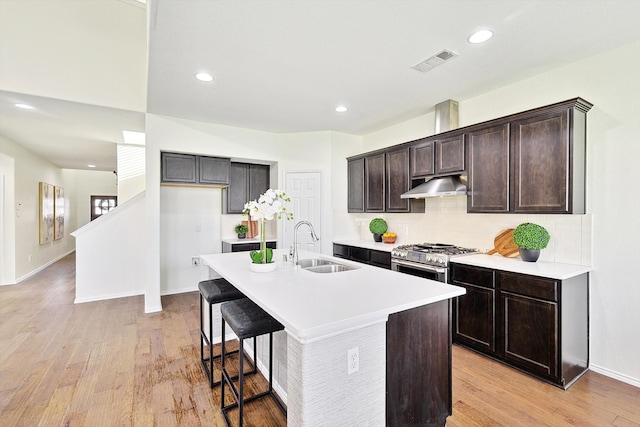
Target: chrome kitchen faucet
{"type": "Point", "coordinates": [293, 252]}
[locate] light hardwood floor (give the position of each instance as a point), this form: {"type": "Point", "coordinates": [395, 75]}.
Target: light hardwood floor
{"type": "Point", "coordinates": [109, 364]}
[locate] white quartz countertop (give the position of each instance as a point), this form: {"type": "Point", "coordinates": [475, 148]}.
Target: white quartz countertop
{"type": "Point", "coordinates": [552, 270]}
{"type": "Point", "coordinates": [368, 244]}
{"type": "Point", "coordinates": [236, 241]}
{"type": "Point", "coordinates": [313, 306]}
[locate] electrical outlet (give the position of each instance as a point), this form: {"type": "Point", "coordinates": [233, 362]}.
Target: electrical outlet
{"type": "Point", "coordinates": [353, 360]}
{"type": "Point", "coordinates": [195, 261]}
{"type": "Point", "coordinates": [406, 231]}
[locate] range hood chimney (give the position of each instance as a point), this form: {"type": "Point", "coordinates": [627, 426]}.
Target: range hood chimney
{"type": "Point", "coordinates": [446, 116]}
{"type": "Point", "coordinates": [453, 185]}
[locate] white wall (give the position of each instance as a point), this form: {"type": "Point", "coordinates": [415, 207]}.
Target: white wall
{"type": "Point", "coordinates": [288, 152]}
{"type": "Point", "coordinates": [87, 184]}
{"type": "Point", "coordinates": [342, 146]}
{"type": "Point", "coordinates": [610, 81]}
{"type": "Point", "coordinates": [110, 254]}
{"type": "Point", "coordinates": [190, 226]}
{"type": "Point", "coordinates": [29, 170]}
{"type": "Point", "coordinates": [23, 171]}
{"type": "Point", "coordinates": [8, 224]}
{"type": "Point", "coordinates": [93, 52]}
{"type": "Point", "coordinates": [129, 188]}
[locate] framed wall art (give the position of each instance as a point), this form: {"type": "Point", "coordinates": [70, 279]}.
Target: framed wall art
{"type": "Point", "coordinates": [46, 219]}
{"type": "Point", "coordinates": [58, 207]}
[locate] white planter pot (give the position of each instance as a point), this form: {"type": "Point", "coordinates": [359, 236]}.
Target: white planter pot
{"type": "Point", "coordinates": [263, 268]}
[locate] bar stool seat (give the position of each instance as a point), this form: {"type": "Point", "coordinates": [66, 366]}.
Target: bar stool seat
{"type": "Point", "coordinates": [215, 291]}
{"type": "Point", "coordinates": [247, 320]}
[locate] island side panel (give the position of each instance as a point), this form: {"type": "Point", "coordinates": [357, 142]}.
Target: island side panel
{"type": "Point", "coordinates": [320, 392]}
{"type": "Point", "coordinates": [419, 366]}
{"type": "Point", "coordinates": [279, 344]}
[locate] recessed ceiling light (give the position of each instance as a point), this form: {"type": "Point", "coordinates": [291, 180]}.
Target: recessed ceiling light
{"type": "Point", "coordinates": [24, 106]}
{"type": "Point", "coordinates": [480, 36]}
{"type": "Point", "coordinates": [204, 77]}
{"type": "Point", "coordinates": [341, 109]}
{"type": "Point", "coordinates": [91, 166]}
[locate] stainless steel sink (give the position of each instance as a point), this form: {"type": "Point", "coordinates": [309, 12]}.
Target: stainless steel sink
{"type": "Point", "coordinates": [330, 268]}
{"type": "Point", "coordinates": [317, 265]}
{"type": "Point", "coordinates": [314, 262]}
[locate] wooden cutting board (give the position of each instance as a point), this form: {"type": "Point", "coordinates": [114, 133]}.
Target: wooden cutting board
{"type": "Point", "coordinates": [504, 244]}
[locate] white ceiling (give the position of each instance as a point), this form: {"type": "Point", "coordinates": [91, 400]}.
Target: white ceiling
{"type": "Point", "coordinates": [283, 66]}
{"type": "Point", "coordinates": [71, 135]}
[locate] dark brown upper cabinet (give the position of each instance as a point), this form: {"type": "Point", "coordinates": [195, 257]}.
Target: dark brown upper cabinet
{"type": "Point", "coordinates": [422, 155]}
{"type": "Point", "coordinates": [355, 185]}
{"type": "Point", "coordinates": [247, 181]}
{"type": "Point", "coordinates": [548, 162]}
{"type": "Point", "coordinates": [433, 156]}
{"type": "Point", "coordinates": [450, 155]}
{"type": "Point", "coordinates": [531, 162]}
{"type": "Point", "coordinates": [374, 183]}
{"type": "Point", "coordinates": [397, 180]}
{"type": "Point", "coordinates": [488, 169]}
{"type": "Point", "coordinates": [191, 169]}
{"type": "Point", "coordinates": [213, 171]}
{"type": "Point", "coordinates": [179, 168]}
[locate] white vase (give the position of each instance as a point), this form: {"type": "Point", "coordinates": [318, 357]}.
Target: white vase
{"type": "Point", "coordinates": [263, 268]}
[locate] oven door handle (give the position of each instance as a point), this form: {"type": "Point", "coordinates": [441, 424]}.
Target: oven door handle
{"type": "Point", "coordinates": [419, 266]}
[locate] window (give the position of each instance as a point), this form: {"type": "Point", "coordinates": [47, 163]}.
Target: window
{"type": "Point", "coordinates": [100, 205]}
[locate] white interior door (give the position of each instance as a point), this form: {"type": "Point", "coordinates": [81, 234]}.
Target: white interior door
{"type": "Point", "coordinates": [303, 188]}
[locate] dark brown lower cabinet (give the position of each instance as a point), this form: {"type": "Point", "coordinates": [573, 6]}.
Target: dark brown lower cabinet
{"type": "Point", "coordinates": [538, 325]}
{"type": "Point", "coordinates": [475, 325]}
{"type": "Point", "coordinates": [242, 247]}
{"type": "Point", "coordinates": [366, 256]}
{"type": "Point", "coordinates": [419, 366]}
{"type": "Point", "coordinates": [530, 334]}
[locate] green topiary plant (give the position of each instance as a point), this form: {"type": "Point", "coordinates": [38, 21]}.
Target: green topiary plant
{"type": "Point", "coordinates": [378, 226]}
{"type": "Point", "coordinates": [531, 236]}
{"type": "Point", "coordinates": [241, 229]}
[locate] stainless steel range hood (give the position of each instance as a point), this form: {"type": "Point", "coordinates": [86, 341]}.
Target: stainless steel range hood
{"type": "Point", "coordinates": [446, 118]}
{"type": "Point", "coordinates": [438, 187]}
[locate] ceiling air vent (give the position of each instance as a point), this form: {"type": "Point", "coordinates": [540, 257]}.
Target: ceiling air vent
{"type": "Point", "coordinates": [434, 61]}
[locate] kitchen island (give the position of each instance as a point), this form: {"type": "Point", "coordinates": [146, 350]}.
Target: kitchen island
{"type": "Point", "coordinates": [399, 324]}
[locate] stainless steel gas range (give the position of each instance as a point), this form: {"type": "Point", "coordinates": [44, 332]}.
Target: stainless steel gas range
{"type": "Point", "coordinates": [428, 260]}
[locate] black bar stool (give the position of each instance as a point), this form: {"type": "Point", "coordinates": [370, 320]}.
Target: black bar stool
{"type": "Point", "coordinates": [247, 320]}
{"type": "Point", "coordinates": [216, 291]}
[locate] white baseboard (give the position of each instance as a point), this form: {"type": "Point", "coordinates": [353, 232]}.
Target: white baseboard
{"type": "Point", "coordinates": [615, 375]}
{"type": "Point", "coordinates": [42, 267]}
{"type": "Point", "coordinates": [149, 310]}
{"type": "Point", "coordinates": [107, 297]}
{"type": "Point", "coordinates": [179, 291]}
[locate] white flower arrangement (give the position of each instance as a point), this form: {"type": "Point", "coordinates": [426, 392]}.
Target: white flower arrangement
{"type": "Point", "coordinates": [269, 205]}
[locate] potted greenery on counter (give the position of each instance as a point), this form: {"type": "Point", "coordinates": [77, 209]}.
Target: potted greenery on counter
{"type": "Point", "coordinates": [378, 227]}
{"type": "Point", "coordinates": [241, 230]}
{"type": "Point", "coordinates": [530, 238]}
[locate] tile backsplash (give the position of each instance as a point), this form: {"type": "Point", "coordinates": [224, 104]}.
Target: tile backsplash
{"type": "Point", "coordinates": [446, 221]}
